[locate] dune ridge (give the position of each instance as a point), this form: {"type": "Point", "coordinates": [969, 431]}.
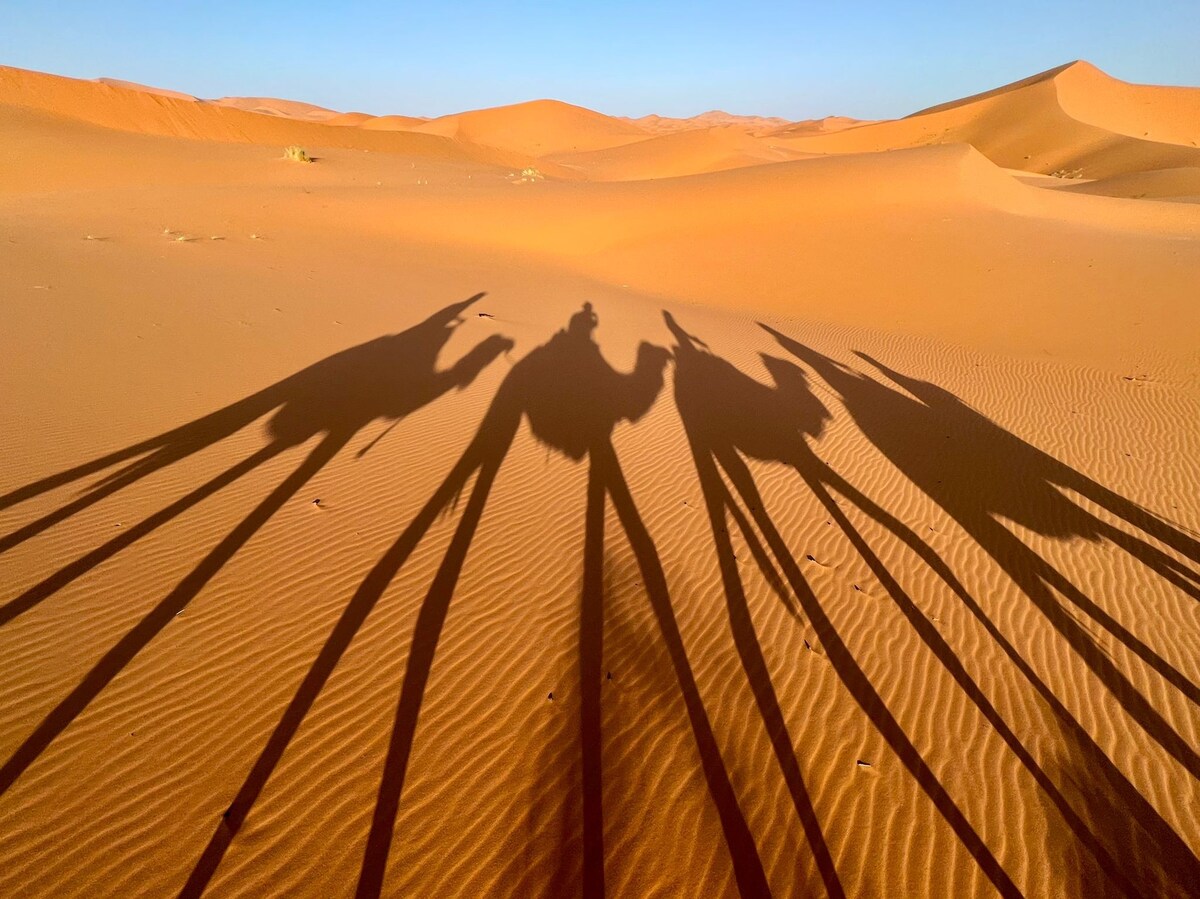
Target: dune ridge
{"type": "Point", "coordinates": [538, 128]}
{"type": "Point", "coordinates": [288, 109]}
{"type": "Point", "coordinates": [714, 118]}
{"type": "Point", "coordinates": [1073, 119]}
{"type": "Point", "coordinates": [134, 110]}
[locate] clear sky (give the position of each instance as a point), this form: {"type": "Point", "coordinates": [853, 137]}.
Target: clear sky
{"type": "Point", "coordinates": [798, 59]}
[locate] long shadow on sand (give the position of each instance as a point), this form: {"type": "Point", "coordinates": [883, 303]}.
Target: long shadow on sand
{"type": "Point", "coordinates": [984, 472]}
{"type": "Point", "coordinates": [572, 399]}
{"type": "Point", "coordinates": [728, 415]}
{"type": "Point", "coordinates": [387, 378]}
{"type": "Point", "coordinates": [980, 473]}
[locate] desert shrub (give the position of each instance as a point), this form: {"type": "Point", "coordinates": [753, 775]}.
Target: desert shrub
{"type": "Point", "coordinates": [528, 174]}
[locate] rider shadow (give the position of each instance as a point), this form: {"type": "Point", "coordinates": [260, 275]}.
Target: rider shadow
{"type": "Point", "coordinates": [573, 399]}
{"type": "Point", "coordinates": [387, 378]}
{"type": "Point", "coordinates": [979, 474]}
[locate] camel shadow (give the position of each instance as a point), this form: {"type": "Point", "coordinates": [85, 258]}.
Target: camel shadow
{"type": "Point", "coordinates": [572, 399]}
{"type": "Point", "coordinates": [979, 473]}
{"type": "Point", "coordinates": [387, 378]}
{"type": "Point", "coordinates": [728, 416]}
{"type": "Point", "coordinates": [985, 472]}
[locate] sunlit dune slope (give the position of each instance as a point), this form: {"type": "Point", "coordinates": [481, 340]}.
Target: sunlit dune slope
{"type": "Point", "coordinates": [135, 110]}
{"type": "Point", "coordinates": [714, 118]}
{"type": "Point", "coordinates": [681, 152]}
{"type": "Point", "coordinates": [145, 88]}
{"type": "Point", "coordinates": [389, 122]}
{"type": "Point", "coordinates": [536, 128]}
{"type": "Point", "coordinates": [935, 239]}
{"type": "Point", "coordinates": [1074, 119]}
{"type": "Point", "coordinates": [288, 109]}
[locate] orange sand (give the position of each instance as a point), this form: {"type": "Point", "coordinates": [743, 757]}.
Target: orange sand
{"type": "Point", "coordinates": [852, 528]}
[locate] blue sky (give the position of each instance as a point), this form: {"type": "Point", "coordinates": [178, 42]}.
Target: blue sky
{"type": "Point", "coordinates": [799, 59]}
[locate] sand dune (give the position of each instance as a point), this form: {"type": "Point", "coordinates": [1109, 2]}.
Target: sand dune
{"type": "Point", "coordinates": [351, 118]}
{"type": "Point", "coordinates": [714, 118]}
{"type": "Point", "coordinates": [136, 111]}
{"type": "Point", "coordinates": [1074, 119]}
{"type": "Point", "coordinates": [288, 109]}
{"type": "Point", "coordinates": [145, 88]}
{"type": "Point", "coordinates": [721, 514]}
{"type": "Point", "coordinates": [391, 123]}
{"type": "Point", "coordinates": [1174, 184]}
{"type": "Point", "coordinates": [681, 152]}
{"type": "Point", "coordinates": [1162, 114]}
{"type": "Point", "coordinates": [537, 128]}
{"type": "Point", "coordinates": [818, 126]}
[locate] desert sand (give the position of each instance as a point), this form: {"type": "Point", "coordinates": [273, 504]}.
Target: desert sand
{"type": "Point", "coordinates": [535, 502]}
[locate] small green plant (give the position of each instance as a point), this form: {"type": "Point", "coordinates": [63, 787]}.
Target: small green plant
{"type": "Point", "coordinates": [296, 154]}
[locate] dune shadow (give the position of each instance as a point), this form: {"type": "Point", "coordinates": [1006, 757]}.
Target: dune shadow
{"type": "Point", "coordinates": [332, 400]}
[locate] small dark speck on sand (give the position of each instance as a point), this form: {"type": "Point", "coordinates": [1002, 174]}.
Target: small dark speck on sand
{"type": "Point", "coordinates": [862, 763]}
{"type": "Point", "coordinates": [486, 315]}
{"type": "Point", "coordinates": [551, 697]}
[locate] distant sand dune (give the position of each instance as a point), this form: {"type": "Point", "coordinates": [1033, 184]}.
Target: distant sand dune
{"type": "Point", "coordinates": [714, 118]}
{"type": "Point", "coordinates": [288, 109]}
{"type": "Point", "coordinates": [537, 128]}
{"type": "Point", "coordinates": [1074, 118]}
{"type": "Point", "coordinates": [135, 110]}
{"type": "Point", "coordinates": [683, 152]}
{"type": "Point", "coordinates": [391, 123]}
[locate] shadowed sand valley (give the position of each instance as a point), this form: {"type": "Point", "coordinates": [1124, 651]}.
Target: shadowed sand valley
{"type": "Point", "coordinates": [535, 502]}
